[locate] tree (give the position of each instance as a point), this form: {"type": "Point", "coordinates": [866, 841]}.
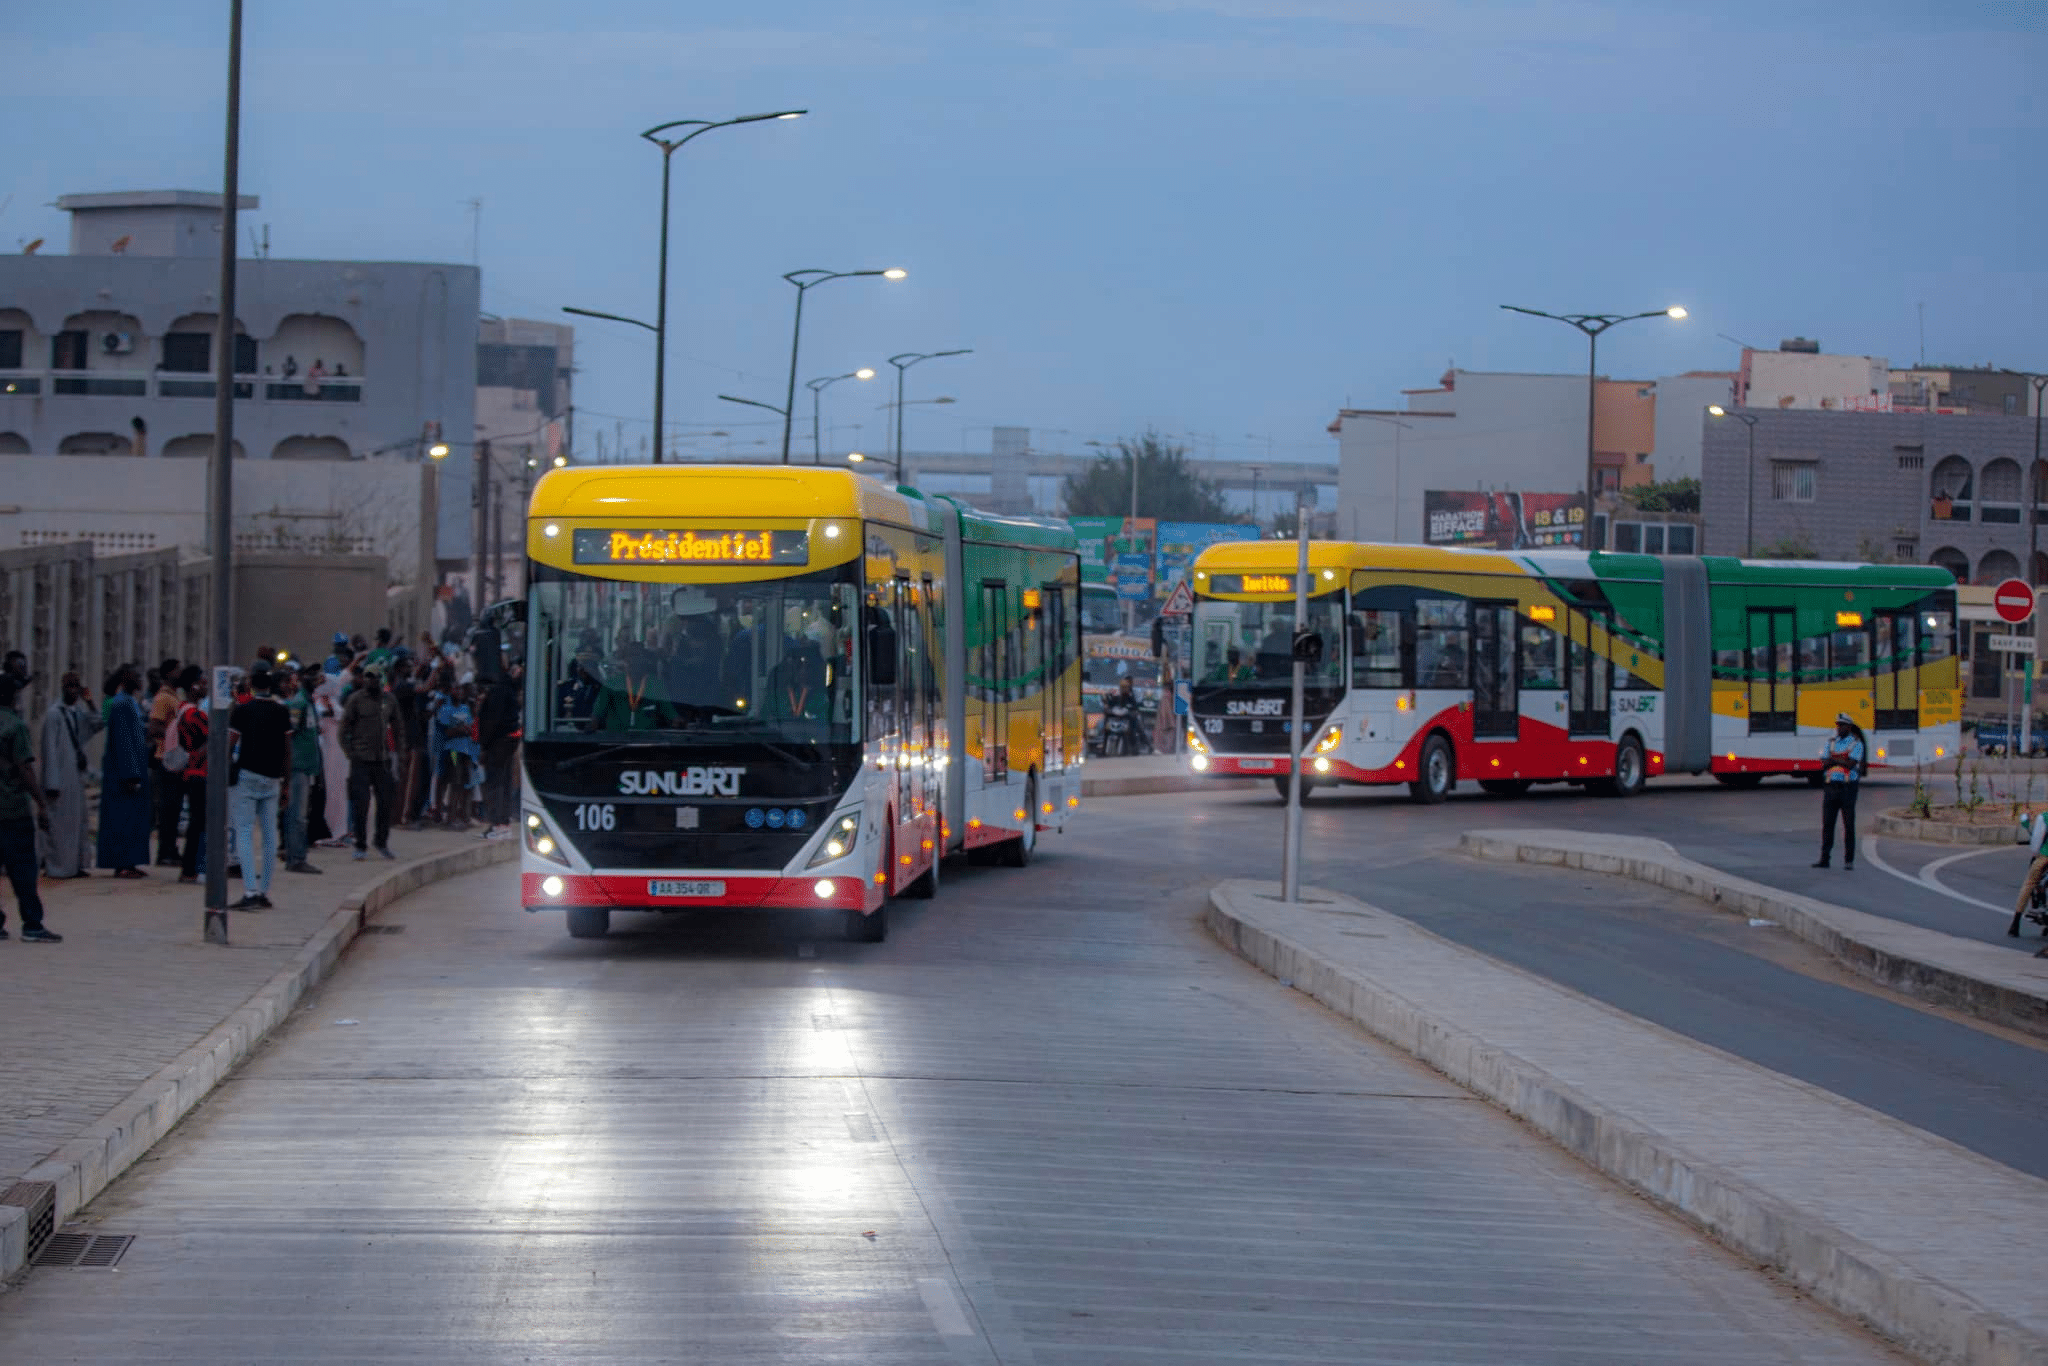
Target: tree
{"type": "Point", "coordinates": [1795, 547]}
{"type": "Point", "coordinates": [1169, 488]}
{"type": "Point", "coordinates": [1673, 495]}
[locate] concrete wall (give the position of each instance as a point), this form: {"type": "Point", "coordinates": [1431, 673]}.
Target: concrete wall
{"type": "Point", "coordinates": [1800, 379]}
{"type": "Point", "coordinates": [1681, 420]}
{"type": "Point", "coordinates": [298, 602]}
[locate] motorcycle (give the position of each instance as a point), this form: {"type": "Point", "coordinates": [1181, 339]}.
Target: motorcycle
{"type": "Point", "coordinates": [1120, 732]}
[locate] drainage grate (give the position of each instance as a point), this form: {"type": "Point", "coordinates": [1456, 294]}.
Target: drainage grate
{"type": "Point", "coordinates": [91, 1250]}
{"type": "Point", "coordinates": [383, 929]}
{"type": "Point", "coordinates": [39, 1198]}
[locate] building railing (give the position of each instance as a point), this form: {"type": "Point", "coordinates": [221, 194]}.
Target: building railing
{"type": "Point", "coordinates": [175, 384]}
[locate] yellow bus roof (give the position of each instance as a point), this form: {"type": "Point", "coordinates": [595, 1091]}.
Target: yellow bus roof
{"type": "Point", "coordinates": [634, 491]}
{"type": "Point", "coordinates": [1280, 557]}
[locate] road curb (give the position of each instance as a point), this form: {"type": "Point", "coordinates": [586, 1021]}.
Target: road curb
{"type": "Point", "coordinates": [1901, 825]}
{"type": "Point", "coordinates": [1991, 983]}
{"type": "Point", "coordinates": [1930, 1318]}
{"type": "Point", "coordinates": [82, 1168]}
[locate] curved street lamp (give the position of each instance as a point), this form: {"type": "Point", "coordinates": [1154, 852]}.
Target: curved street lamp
{"type": "Point", "coordinates": [1593, 324]}
{"type": "Point", "coordinates": [668, 146]}
{"type": "Point", "coordinates": [819, 386]}
{"type": "Point", "coordinates": [903, 360]}
{"type": "Point", "coordinates": [804, 280]}
{"type": "Point", "coordinates": [1749, 485]}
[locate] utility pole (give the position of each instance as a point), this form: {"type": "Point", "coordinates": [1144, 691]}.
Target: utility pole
{"type": "Point", "coordinates": [220, 485]}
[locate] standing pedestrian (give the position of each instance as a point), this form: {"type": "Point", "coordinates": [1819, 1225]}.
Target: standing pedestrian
{"type": "Point", "coordinates": [67, 725]}
{"type": "Point", "coordinates": [170, 793]}
{"type": "Point", "coordinates": [1842, 764]}
{"type": "Point", "coordinates": [22, 813]}
{"type": "Point", "coordinates": [124, 779]}
{"type": "Point", "coordinates": [368, 724]}
{"type": "Point", "coordinates": [458, 730]}
{"type": "Point", "coordinates": [190, 727]}
{"type": "Point", "coordinates": [497, 726]}
{"type": "Point", "coordinates": [261, 731]}
{"type": "Point", "coordinates": [305, 733]}
{"type": "Point", "coordinates": [333, 761]}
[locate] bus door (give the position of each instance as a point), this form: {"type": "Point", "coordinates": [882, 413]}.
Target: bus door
{"type": "Point", "coordinates": [995, 673]}
{"type": "Point", "coordinates": [1773, 705]}
{"type": "Point", "coordinates": [932, 718]}
{"type": "Point", "coordinates": [1589, 672]}
{"type": "Point", "coordinates": [911, 707]}
{"type": "Point", "coordinates": [1895, 669]}
{"type": "Point", "coordinates": [1496, 705]}
{"type": "Point", "coordinates": [1051, 657]}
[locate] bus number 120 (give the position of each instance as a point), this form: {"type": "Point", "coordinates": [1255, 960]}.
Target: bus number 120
{"type": "Point", "coordinates": [597, 816]}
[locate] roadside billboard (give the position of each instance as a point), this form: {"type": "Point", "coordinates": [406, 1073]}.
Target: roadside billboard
{"type": "Point", "coordinates": [1103, 539]}
{"type": "Point", "coordinates": [1502, 521]}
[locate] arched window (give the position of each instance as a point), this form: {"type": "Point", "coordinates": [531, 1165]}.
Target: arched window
{"type": "Point", "coordinates": [314, 358]}
{"type": "Point", "coordinates": [186, 349]}
{"type": "Point", "coordinates": [21, 348]}
{"type": "Point", "coordinates": [1954, 488]}
{"type": "Point", "coordinates": [198, 447]}
{"type": "Point", "coordinates": [1999, 498]}
{"type": "Point", "coordinates": [96, 443]}
{"type": "Point", "coordinates": [310, 448]}
{"type": "Point", "coordinates": [13, 443]}
{"type": "Point", "coordinates": [1953, 560]}
{"type": "Point", "coordinates": [1998, 566]}
{"type": "Point", "coordinates": [103, 353]}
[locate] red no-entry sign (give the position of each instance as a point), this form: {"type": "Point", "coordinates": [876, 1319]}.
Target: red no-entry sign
{"type": "Point", "coordinates": [2013, 600]}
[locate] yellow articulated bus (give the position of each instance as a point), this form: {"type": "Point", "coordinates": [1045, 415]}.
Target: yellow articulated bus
{"type": "Point", "coordinates": [786, 688]}
{"type": "Point", "coordinates": [1514, 668]}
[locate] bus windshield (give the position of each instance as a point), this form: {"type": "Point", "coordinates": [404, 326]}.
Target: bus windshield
{"type": "Point", "coordinates": [1250, 644]}
{"type": "Point", "coordinates": [772, 659]}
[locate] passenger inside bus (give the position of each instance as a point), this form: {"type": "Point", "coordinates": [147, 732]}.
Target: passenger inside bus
{"type": "Point", "coordinates": [576, 695]}
{"type": "Point", "coordinates": [632, 697]}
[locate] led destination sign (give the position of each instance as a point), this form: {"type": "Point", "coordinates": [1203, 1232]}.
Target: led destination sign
{"type": "Point", "coordinates": [1251, 583]}
{"type": "Point", "coordinates": [599, 545]}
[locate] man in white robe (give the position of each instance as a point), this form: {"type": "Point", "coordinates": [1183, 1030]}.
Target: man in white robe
{"type": "Point", "coordinates": [67, 725]}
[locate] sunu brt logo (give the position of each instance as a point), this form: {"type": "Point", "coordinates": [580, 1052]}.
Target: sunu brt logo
{"type": "Point", "coordinates": [701, 781]}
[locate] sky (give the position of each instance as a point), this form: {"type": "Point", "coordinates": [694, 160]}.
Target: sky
{"type": "Point", "coordinates": [1218, 219]}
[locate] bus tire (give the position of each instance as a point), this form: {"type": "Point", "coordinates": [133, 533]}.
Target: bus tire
{"type": "Point", "coordinates": [1281, 783]}
{"type": "Point", "coordinates": [1505, 787]}
{"type": "Point", "coordinates": [1741, 780]}
{"type": "Point", "coordinates": [1439, 770]}
{"type": "Point", "coordinates": [1017, 853]}
{"type": "Point", "coordinates": [1630, 771]}
{"type": "Point", "coordinates": [927, 884]}
{"type": "Point", "coordinates": [870, 927]}
{"type": "Point", "coordinates": [589, 922]}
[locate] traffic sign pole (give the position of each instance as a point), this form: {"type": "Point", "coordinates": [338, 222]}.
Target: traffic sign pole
{"type": "Point", "coordinates": [2013, 600]}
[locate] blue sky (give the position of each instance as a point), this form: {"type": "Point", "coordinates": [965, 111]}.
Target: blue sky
{"type": "Point", "coordinates": [1222, 217]}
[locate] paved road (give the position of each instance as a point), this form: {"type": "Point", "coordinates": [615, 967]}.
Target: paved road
{"type": "Point", "coordinates": [1049, 1121]}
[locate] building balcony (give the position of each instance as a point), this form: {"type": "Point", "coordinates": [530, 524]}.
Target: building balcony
{"type": "Point", "coordinates": [174, 384]}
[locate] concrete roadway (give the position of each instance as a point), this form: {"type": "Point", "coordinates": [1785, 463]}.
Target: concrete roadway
{"type": "Point", "coordinates": [1049, 1121]}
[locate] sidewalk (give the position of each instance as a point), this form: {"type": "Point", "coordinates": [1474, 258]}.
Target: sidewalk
{"type": "Point", "coordinates": [1933, 1246]}
{"type": "Point", "coordinates": [91, 1025]}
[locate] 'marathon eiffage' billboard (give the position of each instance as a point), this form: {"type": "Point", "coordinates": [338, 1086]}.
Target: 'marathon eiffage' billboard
{"type": "Point", "coordinates": [1502, 521]}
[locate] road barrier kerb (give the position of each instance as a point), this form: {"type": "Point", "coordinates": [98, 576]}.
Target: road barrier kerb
{"type": "Point", "coordinates": [1901, 824]}
{"type": "Point", "coordinates": [1929, 1318]}
{"type": "Point", "coordinates": [83, 1167]}
{"type": "Point", "coordinates": [1985, 980]}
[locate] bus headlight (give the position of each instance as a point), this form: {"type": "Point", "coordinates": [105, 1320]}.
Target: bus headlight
{"type": "Point", "coordinates": [541, 842]}
{"type": "Point", "coordinates": [1332, 738]}
{"type": "Point", "coordinates": [1195, 741]}
{"type": "Point", "coordinates": [840, 837]}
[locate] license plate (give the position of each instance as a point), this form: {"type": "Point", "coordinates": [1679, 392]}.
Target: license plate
{"type": "Point", "coordinates": [698, 887]}
{"type": "Point", "coordinates": [1254, 763]}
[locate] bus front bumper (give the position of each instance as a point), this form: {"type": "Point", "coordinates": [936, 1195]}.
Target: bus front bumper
{"type": "Point", "coordinates": [636, 892]}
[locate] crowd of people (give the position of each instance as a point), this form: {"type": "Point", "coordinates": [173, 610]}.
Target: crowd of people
{"type": "Point", "coordinates": [327, 753]}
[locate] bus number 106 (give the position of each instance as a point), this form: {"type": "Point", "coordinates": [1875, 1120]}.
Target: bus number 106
{"type": "Point", "coordinates": [597, 816]}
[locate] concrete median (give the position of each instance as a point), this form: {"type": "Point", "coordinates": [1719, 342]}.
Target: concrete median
{"type": "Point", "coordinates": [1923, 1241]}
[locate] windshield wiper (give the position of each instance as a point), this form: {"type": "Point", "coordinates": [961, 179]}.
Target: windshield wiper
{"type": "Point", "coordinates": [575, 760]}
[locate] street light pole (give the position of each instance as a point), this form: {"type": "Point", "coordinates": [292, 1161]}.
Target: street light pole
{"type": "Point", "coordinates": [804, 280]}
{"type": "Point", "coordinates": [817, 387]}
{"type": "Point", "coordinates": [1749, 485]}
{"type": "Point", "coordinates": [1593, 324]}
{"type": "Point", "coordinates": [668, 147]}
{"type": "Point", "coordinates": [903, 360]}
{"type": "Point", "coordinates": [220, 484]}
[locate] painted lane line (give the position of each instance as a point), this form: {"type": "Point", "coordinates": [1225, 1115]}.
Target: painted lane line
{"type": "Point", "coordinates": [1925, 879]}
{"type": "Point", "coordinates": [949, 1316]}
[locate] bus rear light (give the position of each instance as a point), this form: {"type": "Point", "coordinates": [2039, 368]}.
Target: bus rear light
{"type": "Point", "coordinates": [823, 887]}
{"type": "Point", "coordinates": [551, 885]}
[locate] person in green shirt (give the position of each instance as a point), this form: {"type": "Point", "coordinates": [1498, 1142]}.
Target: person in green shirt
{"type": "Point", "coordinates": [303, 725]}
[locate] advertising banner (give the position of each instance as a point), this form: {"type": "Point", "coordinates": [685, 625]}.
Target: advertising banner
{"type": "Point", "coordinates": [1180, 542]}
{"type": "Point", "coordinates": [1095, 534]}
{"type": "Point", "coordinates": [1134, 576]}
{"type": "Point", "coordinates": [1502, 521]}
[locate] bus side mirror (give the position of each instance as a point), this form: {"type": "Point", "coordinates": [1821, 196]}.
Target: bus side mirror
{"type": "Point", "coordinates": [1308, 647]}
{"type": "Point", "coordinates": [882, 655]}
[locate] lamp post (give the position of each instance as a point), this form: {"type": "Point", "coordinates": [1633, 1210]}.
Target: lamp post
{"type": "Point", "coordinates": [817, 387]}
{"type": "Point", "coordinates": [903, 361]}
{"type": "Point", "coordinates": [668, 146]}
{"type": "Point", "coordinates": [804, 280]}
{"type": "Point", "coordinates": [1749, 482]}
{"type": "Point", "coordinates": [783, 413]}
{"type": "Point", "coordinates": [1593, 324]}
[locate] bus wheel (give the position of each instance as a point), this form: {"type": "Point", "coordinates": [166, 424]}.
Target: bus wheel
{"type": "Point", "coordinates": [1629, 770]}
{"type": "Point", "coordinates": [1281, 782]}
{"type": "Point", "coordinates": [1505, 787]}
{"type": "Point", "coordinates": [1744, 780]}
{"type": "Point", "coordinates": [869, 928]}
{"type": "Point", "coordinates": [589, 922]}
{"type": "Point", "coordinates": [1439, 774]}
{"type": "Point", "coordinates": [1017, 853]}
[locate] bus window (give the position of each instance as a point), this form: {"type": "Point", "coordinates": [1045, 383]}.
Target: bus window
{"type": "Point", "coordinates": [1376, 649]}
{"type": "Point", "coordinates": [1442, 643]}
{"type": "Point", "coordinates": [1542, 664]}
{"type": "Point", "coordinates": [1628, 657]}
{"type": "Point", "coordinates": [1849, 654]}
